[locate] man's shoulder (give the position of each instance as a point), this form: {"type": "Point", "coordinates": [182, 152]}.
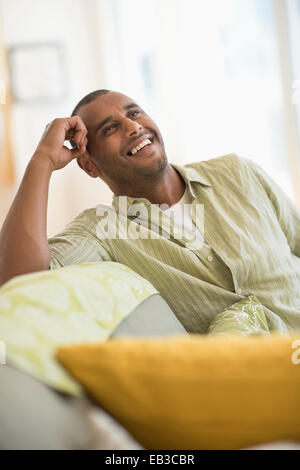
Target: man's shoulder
{"type": "Point", "coordinates": [226, 166]}
{"type": "Point", "coordinates": [88, 218]}
{"type": "Point", "coordinates": [217, 163]}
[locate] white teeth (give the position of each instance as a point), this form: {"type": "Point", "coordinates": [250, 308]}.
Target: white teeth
{"type": "Point", "coordinates": [140, 146]}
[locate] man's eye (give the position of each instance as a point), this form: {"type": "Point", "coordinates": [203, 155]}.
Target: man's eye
{"type": "Point", "coordinates": [133, 112]}
{"type": "Point", "coordinates": [107, 129]}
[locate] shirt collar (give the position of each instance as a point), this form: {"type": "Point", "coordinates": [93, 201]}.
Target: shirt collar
{"type": "Point", "coordinates": [189, 175]}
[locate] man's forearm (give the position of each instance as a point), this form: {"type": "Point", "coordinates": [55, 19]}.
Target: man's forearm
{"type": "Point", "coordinates": [23, 237]}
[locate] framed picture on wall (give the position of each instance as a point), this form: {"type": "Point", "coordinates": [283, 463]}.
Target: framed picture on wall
{"type": "Point", "coordinates": [38, 72]}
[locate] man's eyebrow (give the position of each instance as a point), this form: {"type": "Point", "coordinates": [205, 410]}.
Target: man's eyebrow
{"type": "Point", "coordinates": [109, 118]}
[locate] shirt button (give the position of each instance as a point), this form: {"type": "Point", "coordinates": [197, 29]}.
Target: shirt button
{"type": "Point", "coordinates": [239, 291]}
{"type": "Point", "coordinates": [210, 258]}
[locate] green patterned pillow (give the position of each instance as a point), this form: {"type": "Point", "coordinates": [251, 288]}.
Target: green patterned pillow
{"type": "Point", "coordinates": [245, 317]}
{"type": "Point", "coordinates": [75, 304]}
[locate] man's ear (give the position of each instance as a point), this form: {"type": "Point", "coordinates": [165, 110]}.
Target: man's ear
{"type": "Point", "coordinates": [86, 163]}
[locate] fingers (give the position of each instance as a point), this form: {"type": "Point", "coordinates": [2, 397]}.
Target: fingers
{"type": "Point", "coordinates": [82, 145]}
{"type": "Point", "coordinates": [78, 130]}
{"type": "Point", "coordinates": [75, 122]}
{"type": "Point", "coordinates": [72, 128]}
{"type": "Point", "coordinates": [80, 149]}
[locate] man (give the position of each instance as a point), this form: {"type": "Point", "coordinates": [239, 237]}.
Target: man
{"type": "Point", "coordinates": [250, 236]}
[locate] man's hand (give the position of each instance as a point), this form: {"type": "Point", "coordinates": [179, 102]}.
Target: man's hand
{"type": "Point", "coordinates": [51, 147]}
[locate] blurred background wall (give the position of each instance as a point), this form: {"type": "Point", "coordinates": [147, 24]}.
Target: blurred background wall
{"type": "Point", "coordinates": [217, 76]}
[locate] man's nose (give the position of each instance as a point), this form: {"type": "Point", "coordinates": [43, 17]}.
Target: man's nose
{"type": "Point", "coordinates": [132, 127]}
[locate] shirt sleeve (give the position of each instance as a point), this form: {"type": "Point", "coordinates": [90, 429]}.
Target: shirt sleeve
{"type": "Point", "coordinates": [287, 213]}
{"type": "Point", "coordinates": [77, 244]}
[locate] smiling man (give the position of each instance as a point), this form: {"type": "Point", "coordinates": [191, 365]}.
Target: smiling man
{"type": "Point", "coordinates": [249, 243]}
{"type": "Point", "coordinates": [126, 149]}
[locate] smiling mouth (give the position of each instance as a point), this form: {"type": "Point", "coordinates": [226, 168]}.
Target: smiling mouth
{"type": "Point", "coordinates": [144, 152]}
{"type": "Point", "coordinates": [138, 150]}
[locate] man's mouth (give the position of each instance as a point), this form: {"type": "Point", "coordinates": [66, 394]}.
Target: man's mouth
{"type": "Point", "coordinates": [144, 148]}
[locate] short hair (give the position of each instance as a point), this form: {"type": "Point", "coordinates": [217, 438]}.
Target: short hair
{"type": "Point", "coordinates": [88, 98]}
{"type": "Point", "coordinates": [85, 100]}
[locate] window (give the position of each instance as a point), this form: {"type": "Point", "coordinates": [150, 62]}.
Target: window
{"type": "Point", "coordinates": [212, 76]}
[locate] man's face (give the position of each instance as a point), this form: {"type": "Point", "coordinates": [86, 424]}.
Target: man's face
{"type": "Point", "coordinates": [117, 125]}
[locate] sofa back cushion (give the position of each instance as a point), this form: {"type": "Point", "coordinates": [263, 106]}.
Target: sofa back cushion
{"type": "Point", "coordinates": [75, 304]}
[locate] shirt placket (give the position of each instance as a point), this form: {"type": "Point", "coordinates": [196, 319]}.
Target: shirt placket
{"type": "Point", "coordinates": [217, 240]}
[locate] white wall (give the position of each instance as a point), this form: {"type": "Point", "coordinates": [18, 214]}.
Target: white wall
{"type": "Point", "coordinates": [216, 79]}
{"type": "Point", "coordinates": [202, 110]}
{"type": "Point", "coordinates": [75, 24]}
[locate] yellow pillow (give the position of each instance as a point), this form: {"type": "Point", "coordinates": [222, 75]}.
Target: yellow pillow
{"type": "Point", "coordinates": [195, 392]}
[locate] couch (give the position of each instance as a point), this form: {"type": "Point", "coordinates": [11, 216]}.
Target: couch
{"type": "Point", "coordinates": [47, 402]}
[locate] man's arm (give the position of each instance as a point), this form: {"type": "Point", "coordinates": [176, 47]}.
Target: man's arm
{"type": "Point", "coordinates": [287, 213]}
{"type": "Point", "coordinates": [23, 237]}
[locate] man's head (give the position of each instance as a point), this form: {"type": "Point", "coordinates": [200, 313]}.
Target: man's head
{"type": "Point", "coordinates": [116, 125]}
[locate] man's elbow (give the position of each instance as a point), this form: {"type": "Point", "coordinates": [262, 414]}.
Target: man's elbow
{"type": "Point", "coordinates": [9, 275]}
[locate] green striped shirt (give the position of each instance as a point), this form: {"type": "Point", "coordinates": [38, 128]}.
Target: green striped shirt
{"type": "Point", "coordinates": [252, 231]}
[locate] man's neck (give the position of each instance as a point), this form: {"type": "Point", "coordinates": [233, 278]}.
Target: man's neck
{"type": "Point", "coordinates": [167, 190]}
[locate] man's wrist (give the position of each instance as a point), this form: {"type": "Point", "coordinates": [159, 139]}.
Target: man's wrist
{"type": "Point", "coordinates": [41, 161]}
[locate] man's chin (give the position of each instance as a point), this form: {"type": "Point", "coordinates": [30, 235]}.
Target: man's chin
{"type": "Point", "coordinates": [152, 166]}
